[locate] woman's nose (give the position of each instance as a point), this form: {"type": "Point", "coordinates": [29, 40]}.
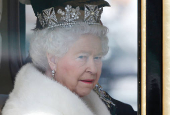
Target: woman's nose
{"type": "Point", "coordinates": [91, 66]}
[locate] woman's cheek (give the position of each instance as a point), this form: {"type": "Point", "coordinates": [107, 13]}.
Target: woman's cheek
{"type": "Point", "coordinates": [79, 62]}
{"type": "Point", "coordinates": [99, 66]}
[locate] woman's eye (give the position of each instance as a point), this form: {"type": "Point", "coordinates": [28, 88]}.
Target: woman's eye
{"type": "Point", "coordinates": [98, 58]}
{"type": "Point", "coordinates": [82, 57]}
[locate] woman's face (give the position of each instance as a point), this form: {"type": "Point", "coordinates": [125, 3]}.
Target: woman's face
{"type": "Point", "coordinates": [80, 68]}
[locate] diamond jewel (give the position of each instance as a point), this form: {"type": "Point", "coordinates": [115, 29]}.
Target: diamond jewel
{"type": "Point", "coordinates": [41, 20]}
{"type": "Point", "coordinates": [70, 14]}
{"type": "Point", "coordinates": [91, 13]}
{"type": "Point", "coordinates": [50, 17]}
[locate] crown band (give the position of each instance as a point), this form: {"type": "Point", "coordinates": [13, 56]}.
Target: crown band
{"type": "Point", "coordinates": [70, 17]}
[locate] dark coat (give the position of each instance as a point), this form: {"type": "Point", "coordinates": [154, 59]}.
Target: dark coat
{"type": "Point", "coordinates": [115, 107]}
{"type": "Point", "coordinates": [123, 109]}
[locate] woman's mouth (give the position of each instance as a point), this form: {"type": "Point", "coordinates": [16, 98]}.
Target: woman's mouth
{"type": "Point", "coordinates": [88, 81]}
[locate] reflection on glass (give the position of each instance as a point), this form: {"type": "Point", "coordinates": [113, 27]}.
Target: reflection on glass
{"type": "Point", "coordinates": [0, 33]}
{"type": "Point", "coordinates": [119, 74]}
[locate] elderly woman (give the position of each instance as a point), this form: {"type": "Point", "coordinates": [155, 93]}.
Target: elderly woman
{"type": "Point", "coordinates": [66, 50]}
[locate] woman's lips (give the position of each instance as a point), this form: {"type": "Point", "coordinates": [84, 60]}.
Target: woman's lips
{"type": "Point", "coordinates": [88, 81]}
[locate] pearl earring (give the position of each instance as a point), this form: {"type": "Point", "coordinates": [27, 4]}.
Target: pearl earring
{"type": "Point", "coordinates": [53, 73]}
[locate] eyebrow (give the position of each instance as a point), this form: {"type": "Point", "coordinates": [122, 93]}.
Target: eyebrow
{"type": "Point", "coordinates": [86, 52]}
{"type": "Point", "coordinates": [101, 53]}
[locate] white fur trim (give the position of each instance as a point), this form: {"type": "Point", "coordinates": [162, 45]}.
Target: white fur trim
{"type": "Point", "coordinates": [95, 103]}
{"type": "Point", "coordinates": [25, 1]}
{"type": "Point", "coordinates": [36, 94]}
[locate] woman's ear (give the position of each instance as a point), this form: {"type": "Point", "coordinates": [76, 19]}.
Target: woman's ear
{"type": "Point", "coordinates": [52, 61]}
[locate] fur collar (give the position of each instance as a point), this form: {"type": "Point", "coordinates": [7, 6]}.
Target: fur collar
{"type": "Point", "coordinates": [36, 94]}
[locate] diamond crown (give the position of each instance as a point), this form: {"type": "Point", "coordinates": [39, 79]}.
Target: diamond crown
{"type": "Point", "coordinates": [70, 16]}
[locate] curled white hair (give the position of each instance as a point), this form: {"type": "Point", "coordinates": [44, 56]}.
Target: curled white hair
{"type": "Point", "coordinates": [57, 41]}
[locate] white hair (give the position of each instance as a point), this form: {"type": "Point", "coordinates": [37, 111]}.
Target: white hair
{"type": "Point", "coordinates": [57, 41]}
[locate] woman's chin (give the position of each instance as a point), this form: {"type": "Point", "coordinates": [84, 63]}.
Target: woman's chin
{"type": "Point", "coordinates": [83, 93]}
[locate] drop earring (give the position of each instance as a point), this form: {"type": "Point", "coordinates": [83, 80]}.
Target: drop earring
{"type": "Point", "coordinates": [53, 73]}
